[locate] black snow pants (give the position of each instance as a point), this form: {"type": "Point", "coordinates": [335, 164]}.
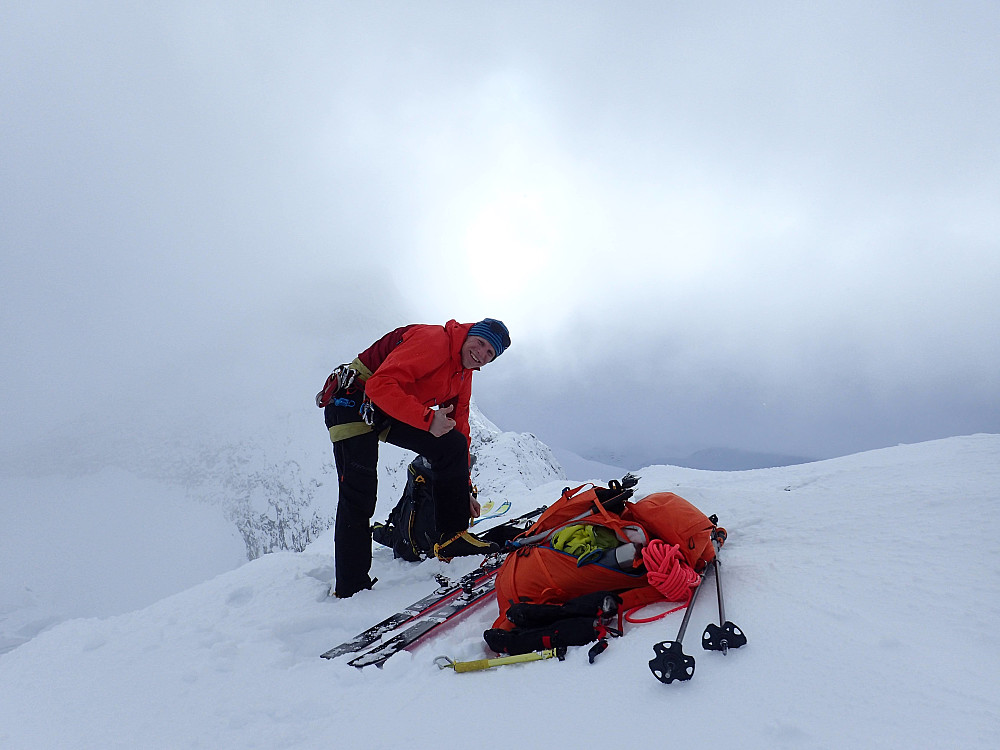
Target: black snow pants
{"type": "Point", "coordinates": [357, 475]}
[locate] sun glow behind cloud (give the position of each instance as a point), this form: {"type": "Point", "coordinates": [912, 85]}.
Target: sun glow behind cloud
{"type": "Point", "coordinates": [780, 205]}
{"type": "Point", "coordinates": [508, 241]}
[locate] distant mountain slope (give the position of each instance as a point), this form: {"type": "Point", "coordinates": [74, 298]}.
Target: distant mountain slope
{"type": "Point", "coordinates": [135, 518]}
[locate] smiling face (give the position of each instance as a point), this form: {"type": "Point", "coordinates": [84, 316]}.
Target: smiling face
{"type": "Point", "coordinates": [476, 352]}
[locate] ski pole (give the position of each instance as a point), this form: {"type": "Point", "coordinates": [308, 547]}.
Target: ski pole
{"type": "Point", "coordinates": [479, 665]}
{"type": "Point", "coordinates": [669, 662]}
{"type": "Point", "coordinates": [727, 636]}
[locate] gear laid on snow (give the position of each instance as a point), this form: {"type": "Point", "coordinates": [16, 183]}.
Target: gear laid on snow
{"type": "Point", "coordinates": [726, 636]}
{"type": "Point", "coordinates": [595, 540]}
{"type": "Point", "coordinates": [584, 541]}
{"type": "Point", "coordinates": [497, 511]}
{"type": "Point", "coordinates": [667, 572]}
{"type": "Point", "coordinates": [455, 607]}
{"type": "Point", "coordinates": [538, 615]}
{"type": "Point", "coordinates": [544, 572]}
{"type": "Point", "coordinates": [443, 662]}
{"type": "Point", "coordinates": [669, 661]}
{"type": "Point", "coordinates": [543, 626]}
{"type": "Point", "coordinates": [410, 530]}
{"type": "Point", "coordinates": [446, 593]}
{"type": "Point", "coordinates": [463, 544]}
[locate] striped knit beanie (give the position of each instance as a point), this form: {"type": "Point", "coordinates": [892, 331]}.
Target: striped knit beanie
{"type": "Point", "coordinates": [494, 332]}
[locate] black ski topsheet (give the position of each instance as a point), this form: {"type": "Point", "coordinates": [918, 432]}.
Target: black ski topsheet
{"type": "Point", "coordinates": [379, 654]}
{"type": "Point", "coordinates": [429, 603]}
{"type": "Point", "coordinates": [393, 621]}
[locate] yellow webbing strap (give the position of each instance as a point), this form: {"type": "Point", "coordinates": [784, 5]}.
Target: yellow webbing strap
{"type": "Point", "coordinates": [343, 431]}
{"type": "Point", "coordinates": [443, 662]}
{"type": "Point", "coordinates": [352, 429]}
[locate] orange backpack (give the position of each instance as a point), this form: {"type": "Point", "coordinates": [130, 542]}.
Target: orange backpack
{"type": "Point", "coordinates": [538, 572]}
{"type": "Point", "coordinates": [673, 519]}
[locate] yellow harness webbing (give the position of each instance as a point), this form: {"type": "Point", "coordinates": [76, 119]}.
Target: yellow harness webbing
{"type": "Point", "coordinates": [352, 429]}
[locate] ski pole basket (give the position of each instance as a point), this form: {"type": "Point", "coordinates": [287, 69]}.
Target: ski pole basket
{"type": "Point", "coordinates": [726, 636]}
{"type": "Point", "coordinates": [669, 662]}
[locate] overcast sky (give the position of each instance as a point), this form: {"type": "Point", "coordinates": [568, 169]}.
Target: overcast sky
{"type": "Point", "coordinates": [766, 226]}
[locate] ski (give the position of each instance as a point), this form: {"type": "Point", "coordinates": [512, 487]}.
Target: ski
{"type": "Point", "coordinates": [381, 653]}
{"type": "Point", "coordinates": [501, 510]}
{"type": "Point", "coordinates": [446, 591]}
{"type": "Point", "coordinates": [443, 593]}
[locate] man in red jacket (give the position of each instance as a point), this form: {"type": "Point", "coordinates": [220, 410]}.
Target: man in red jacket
{"type": "Point", "coordinates": [410, 388]}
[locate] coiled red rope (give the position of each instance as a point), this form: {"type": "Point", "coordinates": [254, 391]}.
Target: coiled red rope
{"type": "Point", "coordinates": [667, 572]}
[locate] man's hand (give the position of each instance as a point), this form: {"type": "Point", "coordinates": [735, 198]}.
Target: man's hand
{"type": "Point", "coordinates": [441, 423]}
{"type": "Point", "coordinates": [474, 507]}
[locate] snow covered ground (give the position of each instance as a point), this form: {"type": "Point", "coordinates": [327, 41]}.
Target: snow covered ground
{"type": "Point", "coordinates": [868, 587]}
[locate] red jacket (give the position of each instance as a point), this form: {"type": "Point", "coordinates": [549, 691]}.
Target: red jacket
{"type": "Point", "coordinates": [423, 370]}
